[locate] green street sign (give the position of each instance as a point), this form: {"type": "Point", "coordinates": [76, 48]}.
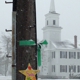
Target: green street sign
{"type": "Point", "coordinates": [27, 43]}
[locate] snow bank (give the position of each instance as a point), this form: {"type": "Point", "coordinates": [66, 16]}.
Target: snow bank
{"type": "Point", "coordinates": [10, 78]}
{"type": "Point", "coordinates": [58, 79]}
{"type": "Point", "coordinates": [5, 78]}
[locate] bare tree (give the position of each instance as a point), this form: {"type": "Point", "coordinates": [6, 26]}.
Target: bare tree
{"type": "Point", "coordinates": [7, 49]}
{"type": "Point", "coordinates": [6, 41]}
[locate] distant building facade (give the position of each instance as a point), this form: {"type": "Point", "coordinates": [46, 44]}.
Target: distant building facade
{"type": "Point", "coordinates": [59, 58]}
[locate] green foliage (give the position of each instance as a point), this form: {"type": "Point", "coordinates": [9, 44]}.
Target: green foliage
{"type": "Point", "coordinates": [28, 78]}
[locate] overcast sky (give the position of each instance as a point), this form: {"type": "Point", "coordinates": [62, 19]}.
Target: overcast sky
{"type": "Point", "coordinates": [69, 11]}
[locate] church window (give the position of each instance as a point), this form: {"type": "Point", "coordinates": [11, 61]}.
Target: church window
{"type": "Point", "coordinates": [53, 68]}
{"type": "Point", "coordinates": [53, 54]}
{"type": "Point", "coordinates": [72, 68]}
{"type": "Point", "coordinates": [78, 55]}
{"type": "Point", "coordinates": [63, 54]}
{"type": "Point", "coordinates": [63, 68]}
{"type": "Point", "coordinates": [47, 22]}
{"type": "Point", "coordinates": [54, 22]}
{"type": "Point", "coordinates": [78, 68]}
{"type": "Point", "coordinates": [72, 55]}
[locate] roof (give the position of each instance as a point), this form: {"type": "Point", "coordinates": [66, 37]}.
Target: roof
{"type": "Point", "coordinates": [64, 44]}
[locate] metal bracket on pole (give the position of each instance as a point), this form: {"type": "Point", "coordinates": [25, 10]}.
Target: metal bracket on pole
{"type": "Point", "coordinates": [8, 30]}
{"type": "Point", "coordinates": [8, 2]}
{"type": "Point", "coordinates": [13, 65]}
{"type": "Point", "coordinates": [8, 56]}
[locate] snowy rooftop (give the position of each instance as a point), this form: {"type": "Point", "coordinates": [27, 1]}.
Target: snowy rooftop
{"type": "Point", "coordinates": [64, 44]}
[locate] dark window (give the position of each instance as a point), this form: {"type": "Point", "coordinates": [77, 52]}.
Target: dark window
{"type": "Point", "coordinates": [53, 54]}
{"type": "Point", "coordinates": [69, 68]}
{"type": "Point", "coordinates": [63, 54]}
{"type": "Point", "coordinates": [72, 55]}
{"type": "Point", "coordinates": [60, 54]}
{"type": "Point", "coordinates": [78, 55]}
{"type": "Point", "coordinates": [47, 22]}
{"type": "Point", "coordinates": [78, 68]}
{"type": "Point", "coordinates": [63, 68]}
{"type": "Point", "coordinates": [54, 22]}
{"type": "Point", "coordinates": [60, 68]}
{"type": "Point", "coordinates": [53, 68]}
{"type": "Point", "coordinates": [69, 55]}
{"type": "Point", "coordinates": [66, 68]}
{"type": "Point", "coordinates": [66, 54]}
{"type": "Point", "coordinates": [72, 68]}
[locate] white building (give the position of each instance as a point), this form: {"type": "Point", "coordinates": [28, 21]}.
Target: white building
{"type": "Point", "coordinates": [59, 58]}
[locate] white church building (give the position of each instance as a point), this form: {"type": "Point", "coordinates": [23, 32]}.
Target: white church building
{"type": "Point", "coordinates": [60, 59]}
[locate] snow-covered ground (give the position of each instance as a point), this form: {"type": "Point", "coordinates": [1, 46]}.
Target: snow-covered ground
{"type": "Point", "coordinates": [58, 79]}
{"type": "Point", "coordinates": [10, 78]}
{"type": "Point", "coordinates": [5, 78]}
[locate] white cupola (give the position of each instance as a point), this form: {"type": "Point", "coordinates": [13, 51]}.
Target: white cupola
{"type": "Point", "coordinates": [52, 30]}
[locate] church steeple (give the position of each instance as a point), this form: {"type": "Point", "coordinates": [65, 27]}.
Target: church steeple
{"type": "Point", "coordinates": [52, 7]}
{"type": "Point", "coordinates": [52, 30]}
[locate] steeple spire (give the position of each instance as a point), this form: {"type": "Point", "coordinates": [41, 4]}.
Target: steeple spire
{"type": "Point", "coordinates": [52, 7]}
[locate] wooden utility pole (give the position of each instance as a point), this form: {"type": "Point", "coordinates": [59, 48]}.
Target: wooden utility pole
{"type": "Point", "coordinates": [24, 28]}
